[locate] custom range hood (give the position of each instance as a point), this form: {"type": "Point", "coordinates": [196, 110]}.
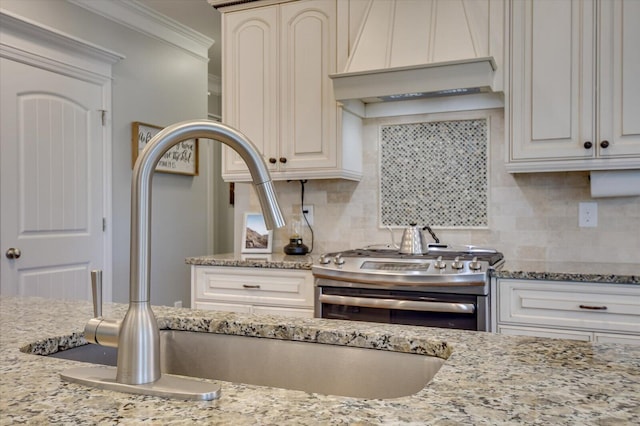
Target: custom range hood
{"type": "Point", "coordinates": [413, 49]}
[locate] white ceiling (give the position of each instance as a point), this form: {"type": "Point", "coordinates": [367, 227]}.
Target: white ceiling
{"type": "Point", "coordinates": [198, 15]}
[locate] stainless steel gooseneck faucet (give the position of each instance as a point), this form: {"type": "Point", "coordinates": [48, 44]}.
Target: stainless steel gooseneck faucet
{"type": "Point", "coordinates": [137, 336]}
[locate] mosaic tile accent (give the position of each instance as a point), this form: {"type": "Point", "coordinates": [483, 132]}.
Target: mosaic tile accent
{"type": "Point", "coordinates": [434, 173]}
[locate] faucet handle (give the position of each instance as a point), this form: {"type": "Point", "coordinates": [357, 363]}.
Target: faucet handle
{"type": "Point", "coordinates": [96, 289]}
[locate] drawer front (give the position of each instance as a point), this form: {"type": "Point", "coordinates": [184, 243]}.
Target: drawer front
{"type": "Point", "coordinates": [260, 286]}
{"type": "Point", "coordinates": [604, 307]}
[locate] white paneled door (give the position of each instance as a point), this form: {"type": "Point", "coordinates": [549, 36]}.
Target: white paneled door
{"type": "Point", "coordinates": [51, 182]}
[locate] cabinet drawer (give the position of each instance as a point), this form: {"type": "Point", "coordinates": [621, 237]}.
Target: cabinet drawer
{"type": "Point", "coordinates": [261, 286]}
{"type": "Point", "coordinates": [604, 307]}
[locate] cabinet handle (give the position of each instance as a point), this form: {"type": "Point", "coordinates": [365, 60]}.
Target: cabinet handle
{"type": "Point", "coordinates": [251, 285]}
{"type": "Point", "coordinates": [604, 144]}
{"type": "Point", "coordinates": [272, 160]}
{"type": "Point", "coordinates": [283, 160]}
{"type": "Point", "coordinates": [593, 308]}
{"type": "Point", "coordinates": [588, 145]}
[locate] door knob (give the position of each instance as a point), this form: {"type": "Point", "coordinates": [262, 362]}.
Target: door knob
{"type": "Point", "coordinates": [13, 253]}
{"type": "Point", "coordinates": [604, 144]}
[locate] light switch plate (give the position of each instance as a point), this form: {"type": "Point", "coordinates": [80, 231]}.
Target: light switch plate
{"type": "Point", "coordinates": [588, 215]}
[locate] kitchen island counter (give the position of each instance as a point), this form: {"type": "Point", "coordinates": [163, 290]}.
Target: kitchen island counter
{"type": "Point", "coordinates": [487, 378]}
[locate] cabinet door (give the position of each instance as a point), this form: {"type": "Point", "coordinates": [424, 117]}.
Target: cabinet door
{"type": "Point", "coordinates": [552, 79]}
{"type": "Point", "coordinates": [250, 61]}
{"type": "Point", "coordinates": [619, 78]}
{"type": "Point", "coordinates": [308, 107]}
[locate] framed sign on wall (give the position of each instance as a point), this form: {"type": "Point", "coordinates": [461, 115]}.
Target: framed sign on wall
{"type": "Point", "coordinates": [181, 159]}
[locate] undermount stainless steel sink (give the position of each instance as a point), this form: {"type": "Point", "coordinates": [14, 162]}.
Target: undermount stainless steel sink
{"type": "Point", "coordinates": [310, 367]}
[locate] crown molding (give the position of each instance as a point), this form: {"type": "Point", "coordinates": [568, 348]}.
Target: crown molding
{"type": "Point", "coordinates": [30, 42]}
{"type": "Point", "coordinates": [145, 20]}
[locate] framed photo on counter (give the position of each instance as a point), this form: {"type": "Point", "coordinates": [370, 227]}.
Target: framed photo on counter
{"type": "Point", "coordinates": [256, 238]}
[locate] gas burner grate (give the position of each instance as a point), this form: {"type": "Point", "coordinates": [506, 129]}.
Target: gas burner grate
{"type": "Point", "coordinates": [447, 253]}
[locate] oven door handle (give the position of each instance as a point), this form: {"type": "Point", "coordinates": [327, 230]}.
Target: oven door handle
{"type": "Point", "coordinates": [404, 305]}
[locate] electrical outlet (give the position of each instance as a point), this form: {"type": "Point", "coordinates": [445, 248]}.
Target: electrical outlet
{"type": "Point", "coordinates": [307, 211]}
{"type": "Point", "coordinates": [177, 304]}
{"type": "Point", "coordinates": [588, 215]}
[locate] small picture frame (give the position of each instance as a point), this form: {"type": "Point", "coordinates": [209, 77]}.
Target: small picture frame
{"type": "Point", "coordinates": [256, 238]}
{"type": "Point", "coordinates": [181, 159]}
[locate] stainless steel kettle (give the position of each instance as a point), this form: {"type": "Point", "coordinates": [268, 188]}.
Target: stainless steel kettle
{"type": "Point", "coordinates": [414, 241]}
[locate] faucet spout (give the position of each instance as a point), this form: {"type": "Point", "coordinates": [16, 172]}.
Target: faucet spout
{"type": "Point", "coordinates": [138, 342]}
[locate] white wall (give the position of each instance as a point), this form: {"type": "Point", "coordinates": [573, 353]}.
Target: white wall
{"type": "Point", "coordinates": [158, 84]}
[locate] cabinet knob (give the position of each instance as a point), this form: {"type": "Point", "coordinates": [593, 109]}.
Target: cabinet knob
{"type": "Point", "coordinates": [604, 144]}
{"type": "Point", "coordinates": [272, 160]}
{"type": "Point", "coordinates": [283, 160]}
{"type": "Point", "coordinates": [588, 145]}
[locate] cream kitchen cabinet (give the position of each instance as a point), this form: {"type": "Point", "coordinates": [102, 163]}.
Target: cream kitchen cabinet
{"type": "Point", "coordinates": [568, 310]}
{"type": "Point", "coordinates": [276, 89]}
{"type": "Point", "coordinates": [286, 292]}
{"type": "Point", "coordinates": [574, 94]}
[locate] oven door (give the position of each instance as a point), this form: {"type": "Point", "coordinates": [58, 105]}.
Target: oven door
{"type": "Point", "coordinates": [460, 311]}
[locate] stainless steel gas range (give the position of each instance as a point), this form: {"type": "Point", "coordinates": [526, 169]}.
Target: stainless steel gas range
{"type": "Point", "coordinates": [443, 287]}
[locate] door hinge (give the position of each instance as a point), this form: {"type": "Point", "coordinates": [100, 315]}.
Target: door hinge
{"type": "Point", "coordinates": [104, 116]}
{"type": "Point", "coordinates": [104, 224]}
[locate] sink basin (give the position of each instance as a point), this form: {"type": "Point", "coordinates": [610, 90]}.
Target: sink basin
{"type": "Point", "coordinates": [305, 366]}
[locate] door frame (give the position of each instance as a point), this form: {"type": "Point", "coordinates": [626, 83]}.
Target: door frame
{"type": "Point", "coordinates": [31, 43]}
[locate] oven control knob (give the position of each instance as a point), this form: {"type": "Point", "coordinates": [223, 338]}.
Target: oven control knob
{"type": "Point", "coordinates": [324, 259]}
{"type": "Point", "coordinates": [338, 259]}
{"type": "Point", "coordinates": [474, 265]}
{"type": "Point", "coordinates": [439, 264]}
{"type": "Point", "coordinates": [457, 264]}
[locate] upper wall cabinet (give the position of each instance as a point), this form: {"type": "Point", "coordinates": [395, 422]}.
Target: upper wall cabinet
{"type": "Point", "coordinates": [574, 91]}
{"type": "Point", "coordinates": [276, 89]}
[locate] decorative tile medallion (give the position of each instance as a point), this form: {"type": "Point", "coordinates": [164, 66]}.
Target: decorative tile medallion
{"type": "Point", "coordinates": [434, 173]}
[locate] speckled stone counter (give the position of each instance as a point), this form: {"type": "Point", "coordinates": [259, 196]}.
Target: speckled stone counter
{"type": "Point", "coordinates": [604, 273]}
{"type": "Point", "coordinates": [486, 379]}
{"type": "Point", "coordinates": [249, 260]}
{"type": "Point", "coordinates": [578, 271]}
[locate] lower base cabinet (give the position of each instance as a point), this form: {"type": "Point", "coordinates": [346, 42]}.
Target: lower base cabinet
{"type": "Point", "coordinates": [608, 313]}
{"type": "Point", "coordinates": [287, 292]}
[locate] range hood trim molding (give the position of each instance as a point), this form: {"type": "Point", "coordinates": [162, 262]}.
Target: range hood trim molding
{"type": "Point", "coordinates": [367, 85]}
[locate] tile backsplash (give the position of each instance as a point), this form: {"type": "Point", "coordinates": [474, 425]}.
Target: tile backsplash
{"type": "Point", "coordinates": [434, 173]}
{"type": "Point", "coordinates": [532, 217]}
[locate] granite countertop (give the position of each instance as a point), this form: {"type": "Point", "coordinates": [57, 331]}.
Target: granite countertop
{"type": "Point", "coordinates": [486, 379]}
{"type": "Point", "coordinates": [578, 271]}
{"type": "Point", "coordinates": [250, 260]}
